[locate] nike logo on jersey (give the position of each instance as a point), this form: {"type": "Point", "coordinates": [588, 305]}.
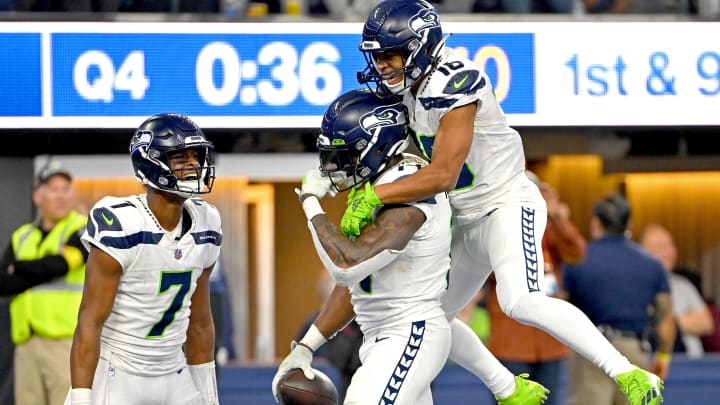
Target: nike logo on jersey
{"type": "Point", "coordinates": [380, 339]}
{"type": "Point", "coordinates": [458, 84]}
{"type": "Point", "coordinates": [107, 220]}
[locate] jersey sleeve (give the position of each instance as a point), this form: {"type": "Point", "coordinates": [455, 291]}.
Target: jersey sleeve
{"type": "Point", "coordinates": [113, 227]}
{"type": "Point", "coordinates": [209, 230]}
{"type": "Point", "coordinates": [453, 84]}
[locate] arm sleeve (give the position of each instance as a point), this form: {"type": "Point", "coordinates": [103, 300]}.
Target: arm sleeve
{"type": "Point", "coordinates": [351, 275]}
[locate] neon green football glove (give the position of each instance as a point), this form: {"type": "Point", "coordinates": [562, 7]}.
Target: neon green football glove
{"type": "Point", "coordinates": [359, 211]}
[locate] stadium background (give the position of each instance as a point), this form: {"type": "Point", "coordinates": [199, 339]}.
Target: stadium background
{"type": "Point", "coordinates": [600, 108]}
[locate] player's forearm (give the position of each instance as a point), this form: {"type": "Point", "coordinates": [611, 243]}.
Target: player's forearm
{"type": "Point", "coordinates": [698, 323]}
{"type": "Point", "coordinates": [336, 313]}
{"type": "Point", "coordinates": [666, 335]}
{"type": "Point", "coordinates": [342, 251]}
{"type": "Point", "coordinates": [424, 183]}
{"type": "Point", "coordinates": [200, 344]}
{"type": "Point", "coordinates": [84, 354]}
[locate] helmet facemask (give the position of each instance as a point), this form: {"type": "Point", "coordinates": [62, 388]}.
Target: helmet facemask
{"type": "Point", "coordinates": [175, 181]}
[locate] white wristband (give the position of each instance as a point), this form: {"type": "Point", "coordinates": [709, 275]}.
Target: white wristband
{"type": "Point", "coordinates": [311, 206]}
{"type": "Point", "coordinates": [80, 396]}
{"type": "Point", "coordinates": [203, 375]}
{"type": "Point", "coordinates": [313, 338]}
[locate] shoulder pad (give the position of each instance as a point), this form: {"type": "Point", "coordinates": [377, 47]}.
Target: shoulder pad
{"type": "Point", "coordinates": [106, 213]}
{"type": "Point", "coordinates": [205, 212]}
{"type": "Point", "coordinates": [465, 82]}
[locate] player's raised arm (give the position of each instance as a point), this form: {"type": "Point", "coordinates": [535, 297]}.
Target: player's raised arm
{"type": "Point", "coordinates": [349, 261]}
{"type": "Point", "coordinates": [102, 276]}
{"type": "Point", "coordinates": [449, 151]}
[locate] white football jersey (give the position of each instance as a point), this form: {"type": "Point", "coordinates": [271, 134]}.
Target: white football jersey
{"type": "Point", "coordinates": [409, 289]}
{"type": "Point", "coordinates": [147, 326]}
{"type": "Point", "coordinates": [494, 169]}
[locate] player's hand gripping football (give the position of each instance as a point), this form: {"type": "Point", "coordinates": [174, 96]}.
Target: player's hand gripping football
{"type": "Point", "coordinates": [300, 357]}
{"type": "Point", "coordinates": [359, 211]}
{"type": "Point", "coordinates": [316, 184]}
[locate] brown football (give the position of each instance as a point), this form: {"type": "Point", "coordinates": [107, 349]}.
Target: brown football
{"type": "Point", "coordinates": [295, 389]}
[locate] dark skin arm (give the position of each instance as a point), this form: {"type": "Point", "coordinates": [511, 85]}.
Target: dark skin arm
{"type": "Point", "coordinates": [200, 343]}
{"type": "Point", "coordinates": [102, 277]}
{"type": "Point", "coordinates": [337, 311]}
{"type": "Point", "coordinates": [392, 229]}
{"type": "Point", "coordinates": [450, 149]}
{"type": "Point", "coordinates": [665, 331]}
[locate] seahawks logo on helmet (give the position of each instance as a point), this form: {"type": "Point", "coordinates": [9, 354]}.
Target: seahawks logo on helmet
{"type": "Point", "coordinates": [423, 20]}
{"type": "Point", "coordinates": [141, 138]}
{"type": "Point", "coordinates": [381, 117]}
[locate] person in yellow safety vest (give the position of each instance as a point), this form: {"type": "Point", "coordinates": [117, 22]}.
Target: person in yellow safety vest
{"type": "Point", "coordinates": [44, 264]}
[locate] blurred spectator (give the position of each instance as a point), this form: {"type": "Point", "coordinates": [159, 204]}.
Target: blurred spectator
{"type": "Point", "coordinates": [102, 6]}
{"type": "Point", "coordinates": [657, 7]}
{"type": "Point", "coordinates": [347, 9]}
{"type": "Point", "coordinates": [524, 349]}
{"type": "Point", "coordinates": [692, 316]}
{"type": "Point", "coordinates": [616, 285]}
{"type": "Point", "coordinates": [168, 6]}
{"type": "Point", "coordinates": [48, 254]}
{"type": "Point", "coordinates": [454, 6]}
{"type": "Point", "coordinates": [342, 350]}
{"type": "Point", "coordinates": [487, 6]}
{"type": "Point", "coordinates": [538, 6]}
{"type": "Point", "coordinates": [607, 6]}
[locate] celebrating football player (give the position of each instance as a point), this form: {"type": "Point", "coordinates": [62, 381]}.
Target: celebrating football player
{"type": "Point", "coordinates": [394, 272]}
{"type": "Point", "coordinates": [146, 289]}
{"type": "Point", "coordinates": [499, 213]}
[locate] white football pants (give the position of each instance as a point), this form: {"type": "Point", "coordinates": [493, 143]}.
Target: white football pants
{"type": "Point", "coordinates": [399, 363]}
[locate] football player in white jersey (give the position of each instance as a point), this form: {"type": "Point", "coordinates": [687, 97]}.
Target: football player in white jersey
{"type": "Point", "coordinates": [391, 277]}
{"type": "Point", "coordinates": [499, 214]}
{"type": "Point", "coordinates": [145, 333]}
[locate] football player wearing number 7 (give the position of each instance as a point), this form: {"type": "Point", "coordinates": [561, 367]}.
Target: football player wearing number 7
{"type": "Point", "coordinates": [146, 293]}
{"type": "Point", "coordinates": [499, 214]}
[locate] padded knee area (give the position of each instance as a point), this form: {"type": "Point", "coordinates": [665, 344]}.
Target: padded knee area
{"type": "Point", "coordinates": [528, 308]}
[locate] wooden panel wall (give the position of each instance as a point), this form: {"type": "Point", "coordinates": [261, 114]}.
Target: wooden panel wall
{"type": "Point", "coordinates": [685, 202]}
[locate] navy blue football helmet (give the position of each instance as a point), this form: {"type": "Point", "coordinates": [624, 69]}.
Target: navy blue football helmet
{"type": "Point", "coordinates": [411, 27]}
{"type": "Point", "coordinates": [156, 139]}
{"type": "Point", "coordinates": [359, 135]}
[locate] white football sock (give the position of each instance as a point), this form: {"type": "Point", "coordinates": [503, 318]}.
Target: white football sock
{"type": "Point", "coordinates": [471, 354]}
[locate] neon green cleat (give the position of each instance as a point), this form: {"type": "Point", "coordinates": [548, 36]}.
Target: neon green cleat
{"type": "Point", "coordinates": [641, 387]}
{"type": "Point", "coordinates": [527, 392]}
